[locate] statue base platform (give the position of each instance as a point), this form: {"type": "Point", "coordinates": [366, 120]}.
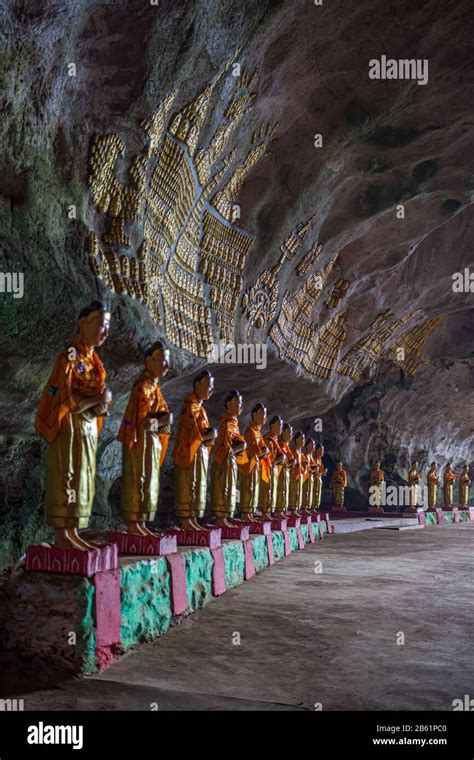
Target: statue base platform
{"type": "Point", "coordinates": [279, 523]}
{"type": "Point", "coordinates": [150, 546]}
{"type": "Point", "coordinates": [43, 558]}
{"type": "Point", "coordinates": [205, 537]}
{"type": "Point", "coordinates": [294, 521]}
{"type": "Point", "coordinates": [241, 533]}
{"type": "Point", "coordinates": [260, 528]}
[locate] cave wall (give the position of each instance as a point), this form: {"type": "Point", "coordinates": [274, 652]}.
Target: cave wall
{"type": "Point", "coordinates": [385, 143]}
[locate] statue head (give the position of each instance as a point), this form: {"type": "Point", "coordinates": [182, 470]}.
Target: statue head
{"type": "Point", "coordinates": [203, 385]}
{"type": "Point", "coordinates": [320, 450]}
{"type": "Point", "coordinates": [94, 324]}
{"type": "Point", "coordinates": [414, 464]}
{"type": "Point", "coordinates": [310, 445]}
{"type": "Point", "coordinates": [157, 359]}
{"type": "Point", "coordinates": [259, 414]}
{"type": "Point", "coordinates": [276, 424]}
{"type": "Point", "coordinates": [298, 439]}
{"type": "Point", "coordinates": [286, 432]}
{"type": "Point", "coordinates": [339, 465]}
{"type": "Point", "coordinates": [233, 403]}
{"type": "Point", "coordinates": [433, 465]}
{"type": "Point", "coordinates": [377, 465]}
{"type": "Point", "coordinates": [466, 468]}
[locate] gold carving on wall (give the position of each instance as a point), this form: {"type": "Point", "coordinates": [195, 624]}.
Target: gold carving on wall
{"type": "Point", "coordinates": [365, 355]}
{"type": "Point", "coordinates": [412, 342]}
{"type": "Point", "coordinates": [259, 302]}
{"type": "Point", "coordinates": [174, 216]}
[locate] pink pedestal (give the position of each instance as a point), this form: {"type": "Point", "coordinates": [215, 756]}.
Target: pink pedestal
{"type": "Point", "coordinates": [177, 569]}
{"type": "Point", "coordinates": [249, 562]}
{"type": "Point", "coordinates": [269, 537]}
{"type": "Point", "coordinates": [287, 547]}
{"type": "Point", "coordinates": [421, 518]}
{"type": "Point", "coordinates": [209, 538]}
{"type": "Point", "coordinates": [456, 518]}
{"type": "Point", "coordinates": [279, 523]}
{"type": "Point", "coordinates": [311, 532]}
{"type": "Point", "coordinates": [50, 559]}
{"type": "Point", "coordinates": [439, 516]}
{"type": "Point", "coordinates": [471, 513]}
{"type": "Point", "coordinates": [241, 533]}
{"type": "Point", "coordinates": [293, 521]}
{"type": "Point", "coordinates": [218, 572]}
{"type": "Point", "coordinates": [107, 616]}
{"type": "Point", "coordinates": [150, 546]}
{"type": "Point", "coordinates": [325, 516]}
{"type": "Point", "coordinates": [260, 528]}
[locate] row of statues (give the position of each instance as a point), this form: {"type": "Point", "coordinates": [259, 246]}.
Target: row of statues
{"type": "Point", "coordinates": [377, 480]}
{"type": "Point", "coordinates": [277, 473]}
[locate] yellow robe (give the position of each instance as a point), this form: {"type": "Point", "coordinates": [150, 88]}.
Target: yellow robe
{"type": "Point", "coordinates": [191, 460]}
{"type": "Point", "coordinates": [268, 486]}
{"type": "Point", "coordinates": [283, 491]}
{"type": "Point", "coordinates": [448, 488]}
{"type": "Point", "coordinates": [224, 470]}
{"type": "Point", "coordinates": [72, 438]}
{"type": "Point", "coordinates": [143, 450]}
{"type": "Point", "coordinates": [464, 483]}
{"type": "Point", "coordinates": [296, 482]}
{"type": "Point", "coordinates": [432, 479]}
{"type": "Point", "coordinates": [250, 471]}
{"type": "Point", "coordinates": [338, 485]}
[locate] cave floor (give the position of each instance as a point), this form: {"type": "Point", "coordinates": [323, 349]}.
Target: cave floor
{"type": "Point", "coordinates": [307, 638]}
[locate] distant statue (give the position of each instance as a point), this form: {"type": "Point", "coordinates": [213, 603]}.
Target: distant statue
{"type": "Point", "coordinates": [413, 485]}
{"type": "Point", "coordinates": [464, 483]}
{"type": "Point", "coordinates": [377, 477]}
{"type": "Point", "coordinates": [319, 474]}
{"type": "Point", "coordinates": [432, 479]}
{"type": "Point", "coordinates": [448, 485]}
{"type": "Point", "coordinates": [339, 485]}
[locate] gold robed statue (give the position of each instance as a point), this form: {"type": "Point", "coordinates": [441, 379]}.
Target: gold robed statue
{"type": "Point", "coordinates": [144, 434]}
{"type": "Point", "coordinates": [283, 491]}
{"type": "Point", "coordinates": [464, 483]}
{"type": "Point", "coordinates": [229, 451]}
{"type": "Point", "coordinates": [194, 438]}
{"type": "Point", "coordinates": [377, 478]}
{"type": "Point", "coordinates": [448, 485]}
{"type": "Point", "coordinates": [269, 488]}
{"type": "Point", "coordinates": [296, 474]}
{"type": "Point", "coordinates": [339, 485]}
{"type": "Point", "coordinates": [69, 418]}
{"type": "Point", "coordinates": [257, 467]}
{"type": "Point", "coordinates": [308, 478]}
{"type": "Point", "coordinates": [318, 476]}
{"type": "Point", "coordinates": [413, 486]}
{"type": "Point", "coordinates": [432, 480]}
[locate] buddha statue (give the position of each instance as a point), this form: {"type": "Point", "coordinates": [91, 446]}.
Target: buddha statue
{"type": "Point", "coordinates": [432, 479]}
{"type": "Point", "coordinates": [69, 418]}
{"type": "Point", "coordinates": [228, 450]}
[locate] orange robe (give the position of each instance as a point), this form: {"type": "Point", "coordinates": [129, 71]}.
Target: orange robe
{"type": "Point", "coordinates": [72, 438]}
{"type": "Point", "coordinates": [268, 488]}
{"type": "Point", "coordinates": [296, 481]}
{"type": "Point", "coordinates": [307, 498]}
{"type": "Point", "coordinates": [252, 469]}
{"type": "Point", "coordinates": [224, 469]}
{"type": "Point", "coordinates": [338, 485]}
{"type": "Point", "coordinates": [283, 491]}
{"type": "Point", "coordinates": [448, 488]}
{"type": "Point", "coordinates": [318, 482]}
{"type": "Point", "coordinates": [143, 450]}
{"type": "Point", "coordinates": [191, 459]}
